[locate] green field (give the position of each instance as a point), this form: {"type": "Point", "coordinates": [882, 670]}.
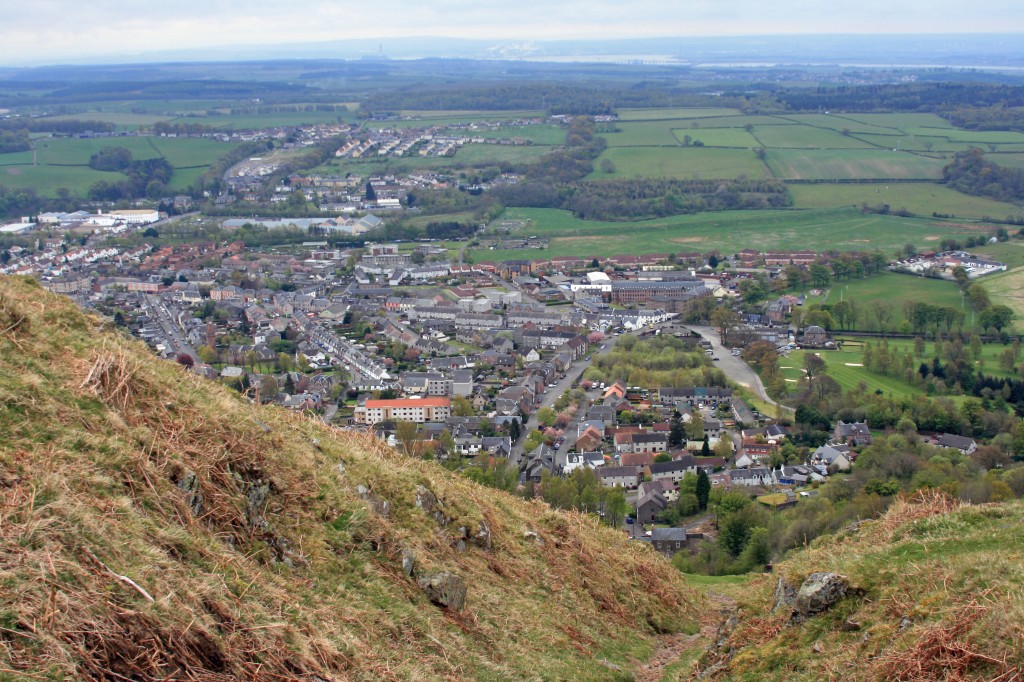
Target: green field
{"type": "Point", "coordinates": [646, 134]}
{"type": "Point", "coordinates": [683, 163]}
{"type": "Point", "coordinates": [921, 198]}
{"type": "Point", "coordinates": [851, 164]}
{"type": "Point", "coordinates": [256, 121]}
{"type": "Point", "coordinates": [538, 134]}
{"type": "Point", "coordinates": [664, 114]}
{"type": "Point", "coordinates": [122, 120]}
{"type": "Point", "coordinates": [842, 366]}
{"type": "Point", "coordinates": [726, 231]}
{"type": "Point", "coordinates": [64, 162]}
{"type": "Point", "coordinates": [805, 137]}
{"type": "Point", "coordinates": [1008, 160]}
{"type": "Point", "coordinates": [896, 289]}
{"type": "Point", "coordinates": [718, 137]}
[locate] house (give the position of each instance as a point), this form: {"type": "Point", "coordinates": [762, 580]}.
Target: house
{"type": "Point", "coordinates": [833, 455]}
{"type": "Point", "coordinates": [816, 337]}
{"type": "Point", "coordinates": [853, 434]}
{"type": "Point", "coordinates": [673, 470]}
{"type": "Point", "coordinates": [670, 541]}
{"type": "Point", "coordinates": [961, 443]}
{"type": "Point", "coordinates": [650, 506]}
{"type": "Point", "coordinates": [417, 410]}
{"type": "Point", "coordinates": [754, 476]}
{"type": "Point", "coordinates": [577, 460]}
{"type": "Point", "coordinates": [620, 477]}
{"type": "Point", "coordinates": [616, 390]}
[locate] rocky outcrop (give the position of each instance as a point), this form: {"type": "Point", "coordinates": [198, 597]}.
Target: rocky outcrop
{"type": "Point", "coordinates": [819, 593]}
{"type": "Point", "coordinates": [444, 589]}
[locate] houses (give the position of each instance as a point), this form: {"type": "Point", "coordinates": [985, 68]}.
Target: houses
{"type": "Point", "coordinates": [649, 506]}
{"type": "Point", "coordinates": [620, 477]}
{"type": "Point", "coordinates": [962, 443]}
{"type": "Point", "coordinates": [754, 476]}
{"type": "Point", "coordinates": [670, 541]}
{"type": "Point", "coordinates": [833, 455]}
{"type": "Point", "coordinates": [853, 434]}
{"type": "Point", "coordinates": [674, 470]}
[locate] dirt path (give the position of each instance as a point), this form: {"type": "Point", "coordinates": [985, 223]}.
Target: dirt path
{"type": "Point", "coordinates": [671, 648]}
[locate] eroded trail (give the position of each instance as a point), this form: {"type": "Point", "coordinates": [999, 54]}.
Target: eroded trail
{"type": "Point", "coordinates": [673, 648]}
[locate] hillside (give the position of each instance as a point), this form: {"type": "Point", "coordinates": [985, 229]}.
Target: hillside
{"type": "Point", "coordinates": [156, 526]}
{"type": "Point", "coordinates": [933, 591]}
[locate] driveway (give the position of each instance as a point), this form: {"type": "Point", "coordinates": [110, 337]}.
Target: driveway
{"type": "Point", "coordinates": [734, 367]}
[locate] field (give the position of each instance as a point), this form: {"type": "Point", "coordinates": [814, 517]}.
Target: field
{"type": "Point", "coordinates": [691, 162]}
{"type": "Point", "coordinates": [842, 366]}
{"type": "Point", "coordinates": [63, 162]}
{"type": "Point", "coordinates": [805, 137]}
{"type": "Point", "coordinates": [896, 289]}
{"type": "Point", "coordinates": [718, 137]}
{"type": "Point", "coordinates": [852, 164]}
{"type": "Point", "coordinates": [728, 232]}
{"type": "Point", "coordinates": [920, 198]}
{"type": "Point", "coordinates": [671, 114]}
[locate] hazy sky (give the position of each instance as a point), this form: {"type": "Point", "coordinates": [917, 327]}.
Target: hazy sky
{"type": "Point", "coordinates": [63, 30]}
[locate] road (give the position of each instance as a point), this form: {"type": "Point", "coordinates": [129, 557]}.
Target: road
{"type": "Point", "coordinates": [734, 367]}
{"type": "Point", "coordinates": [564, 384]}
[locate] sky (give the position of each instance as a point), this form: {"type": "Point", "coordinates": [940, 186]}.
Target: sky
{"type": "Point", "coordinates": [65, 31]}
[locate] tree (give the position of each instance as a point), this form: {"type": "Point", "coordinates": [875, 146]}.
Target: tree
{"type": "Point", "coordinates": [607, 166]}
{"type": "Point", "coordinates": [207, 354]}
{"type": "Point", "coordinates": [997, 317]}
{"type": "Point", "coordinates": [662, 457]}
{"type": "Point", "coordinates": [546, 417]}
{"type": "Point", "coordinates": [515, 430]}
{"type": "Point", "coordinates": [703, 489]}
{"type": "Point", "coordinates": [461, 407]}
{"type": "Point", "coordinates": [713, 261]}
{"type": "Point", "coordinates": [725, 319]}
{"type": "Point", "coordinates": [813, 365]}
{"type": "Point", "coordinates": [676, 432]}
{"type": "Point", "coordinates": [705, 448]}
{"type": "Point", "coordinates": [406, 433]}
{"type": "Point", "coordinates": [615, 507]}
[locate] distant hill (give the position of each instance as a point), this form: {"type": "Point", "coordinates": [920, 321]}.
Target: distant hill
{"type": "Point", "coordinates": [154, 525]}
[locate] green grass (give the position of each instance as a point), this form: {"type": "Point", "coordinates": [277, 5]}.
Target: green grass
{"type": "Point", "coordinates": [848, 377]}
{"type": "Point", "coordinates": [850, 164]}
{"type": "Point", "coordinates": [645, 134]}
{"type": "Point", "coordinates": [839, 123]}
{"type": "Point", "coordinates": [805, 137]}
{"type": "Point", "coordinates": [919, 198]}
{"type": "Point", "coordinates": [683, 163]}
{"type": "Point", "coordinates": [255, 121]}
{"type": "Point", "coordinates": [726, 231]}
{"type": "Point", "coordinates": [896, 289]}
{"type": "Point", "coordinates": [63, 162]}
{"type": "Point", "coordinates": [719, 137]}
{"type": "Point", "coordinates": [538, 134]}
{"type": "Point", "coordinates": [1012, 160]}
{"type": "Point", "coordinates": [680, 113]}
{"type": "Point", "coordinates": [490, 154]}
{"type": "Point", "coordinates": [123, 120]}
{"type": "Point", "coordinates": [901, 120]}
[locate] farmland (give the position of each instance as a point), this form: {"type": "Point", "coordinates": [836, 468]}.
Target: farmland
{"type": "Point", "coordinates": [841, 229]}
{"type": "Point", "coordinates": [64, 162]}
{"type": "Point", "coordinates": [920, 198]}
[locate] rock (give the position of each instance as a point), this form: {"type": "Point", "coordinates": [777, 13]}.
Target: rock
{"type": "Point", "coordinates": [483, 536]}
{"type": "Point", "coordinates": [533, 536]}
{"type": "Point", "coordinates": [255, 499]}
{"type": "Point", "coordinates": [725, 630]}
{"type": "Point", "coordinates": [429, 503]}
{"type": "Point", "coordinates": [444, 589]}
{"type": "Point", "coordinates": [408, 562]}
{"type": "Point", "coordinates": [819, 593]}
{"type": "Point", "coordinates": [378, 505]}
{"type": "Point", "coordinates": [785, 596]}
{"type": "Point", "coordinates": [906, 623]}
{"type": "Point", "coordinates": [340, 468]}
{"type": "Point", "coordinates": [189, 484]}
{"type": "Point", "coordinates": [850, 626]}
{"type": "Point", "coordinates": [817, 648]}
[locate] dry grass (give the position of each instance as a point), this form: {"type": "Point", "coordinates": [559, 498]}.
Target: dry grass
{"type": "Point", "coordinates": [154, 526]}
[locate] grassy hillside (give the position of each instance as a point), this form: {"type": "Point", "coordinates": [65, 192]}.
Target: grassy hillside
{"type": "Point", "coordinates": [934, 594]}
{"type": "Point", "coordinates": [156, 526]}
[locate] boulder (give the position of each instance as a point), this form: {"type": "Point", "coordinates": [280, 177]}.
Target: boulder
{"type": "Point", "coordinates": [785, 596]}
{"type": "Point", "coordinates": [444, 589]}
{"type": "Point", "coordinates": [408, 562]}
{"type": "Point", "coordinates": [819, 593]}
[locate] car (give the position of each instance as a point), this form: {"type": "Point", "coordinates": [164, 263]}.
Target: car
{"type": "Point", "coordinates": [715, 359]}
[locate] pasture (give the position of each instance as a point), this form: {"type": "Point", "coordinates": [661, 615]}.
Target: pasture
{"type": "Point", "coordinates": [851, 164]}
{"type": "Point", "coordinates": [805, 137]}
{"type": "Point", "coordinates": [726, 231]}
{"type": "Point", "coordinates": [64, 162]}
{"type": "Point", "coordinates": [679, 162]}
{"type": "Point", "coordinates": [920, 198]}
